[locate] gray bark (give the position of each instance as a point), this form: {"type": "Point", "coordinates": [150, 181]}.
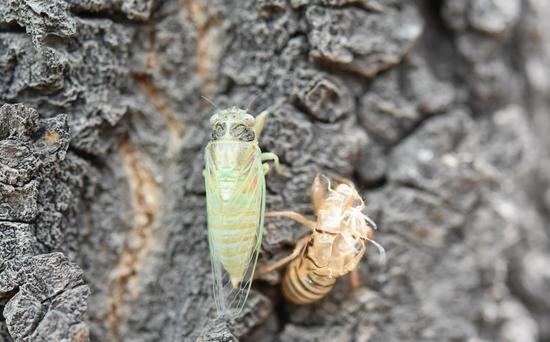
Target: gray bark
{"type": "Point", "coordinates": [436, 109]}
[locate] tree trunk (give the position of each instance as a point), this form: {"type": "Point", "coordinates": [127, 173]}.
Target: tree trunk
{"type": "Point", "coordinates": [437, 110]}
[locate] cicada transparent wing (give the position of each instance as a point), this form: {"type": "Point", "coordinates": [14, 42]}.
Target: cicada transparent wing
{"type": "Point", "coordinates": [235, 187]}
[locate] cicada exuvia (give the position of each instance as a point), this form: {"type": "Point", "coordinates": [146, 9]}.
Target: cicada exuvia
{"type": "Point", "coordinates": [334, 247]}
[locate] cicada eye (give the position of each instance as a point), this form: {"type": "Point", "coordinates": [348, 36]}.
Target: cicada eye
{"type": "Point", "coordinates": [242, 132]}
{"type": "Point", "coordinates": [218, 131]}
{"type": "Point", "coordinates": [238, 130]}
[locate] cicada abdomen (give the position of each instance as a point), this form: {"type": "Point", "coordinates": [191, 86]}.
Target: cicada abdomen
{"type": "Point", "coordinates": [235, 194]}
{"type": "Point", "coordinates": [302, 284]}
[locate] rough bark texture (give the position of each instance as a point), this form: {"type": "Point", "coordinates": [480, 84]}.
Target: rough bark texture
{"type": "Point", "coordinates": [436, 109]}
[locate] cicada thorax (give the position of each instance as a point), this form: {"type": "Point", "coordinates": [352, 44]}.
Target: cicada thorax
{"type": "Point", "coordinates": [235, 161]}
{"type": "Point", "coordinates": [235, 216]}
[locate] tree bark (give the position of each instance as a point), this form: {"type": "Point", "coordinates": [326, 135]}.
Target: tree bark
{"type": "Point", "coordinates": [437, 110]}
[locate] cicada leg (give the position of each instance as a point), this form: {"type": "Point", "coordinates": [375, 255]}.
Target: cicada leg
{"type": "Point", "coordinates": [260, 122]}
{"type": "Point", "coordinates": [317, 193]}
{"type": "Point", "coordinates": [354, 280]}
{"type": "Point", "coordinates": [293, 216]}
{"type": "Point", "coordinates": [260, 118]}
{"type": "Point", "coordinates": [277, 264]}
{"type": "Point", "coordinates": [276, 164]}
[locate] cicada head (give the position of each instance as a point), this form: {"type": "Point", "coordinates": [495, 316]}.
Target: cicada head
{"type": "Point", "coordinates": [233, 124]}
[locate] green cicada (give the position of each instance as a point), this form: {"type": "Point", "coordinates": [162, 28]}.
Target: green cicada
{"type": "Point", "coordinates": [235, 200]}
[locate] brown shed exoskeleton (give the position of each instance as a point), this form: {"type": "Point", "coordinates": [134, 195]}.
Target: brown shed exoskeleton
{"type": "Point", "coordinates": [335, 246]}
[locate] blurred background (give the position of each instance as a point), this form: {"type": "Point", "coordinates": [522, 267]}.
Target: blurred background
{"type": "Point", "coordinates": [436, 110]}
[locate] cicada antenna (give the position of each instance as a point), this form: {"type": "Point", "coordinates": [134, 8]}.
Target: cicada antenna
{"type": "Point", "coordinates": [210, 101]}
{"type": "Point", "coordinates": [256, 95]}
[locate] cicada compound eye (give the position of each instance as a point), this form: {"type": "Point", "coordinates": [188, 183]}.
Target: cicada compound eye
{"type": "Point", "coordinates": [242, 132]}
{"type": "Point", "coordinates": [218, 130]}
{"type": "Point", "coordinates": [238, 130]}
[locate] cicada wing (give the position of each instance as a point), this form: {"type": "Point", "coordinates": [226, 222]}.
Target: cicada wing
{"type": "Point", "coordinates": [230, 298]}
{"type": "Point", "coordinates": [231, 287]}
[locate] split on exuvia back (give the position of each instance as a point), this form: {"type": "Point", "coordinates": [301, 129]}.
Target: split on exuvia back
{"type": "Point", "coordinates": [235, 200]}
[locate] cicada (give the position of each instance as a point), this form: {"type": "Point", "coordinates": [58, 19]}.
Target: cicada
{"type": "Point", "coordinates": [234, 175]}
{"type": "Point", "coordinates": [334, 247]}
